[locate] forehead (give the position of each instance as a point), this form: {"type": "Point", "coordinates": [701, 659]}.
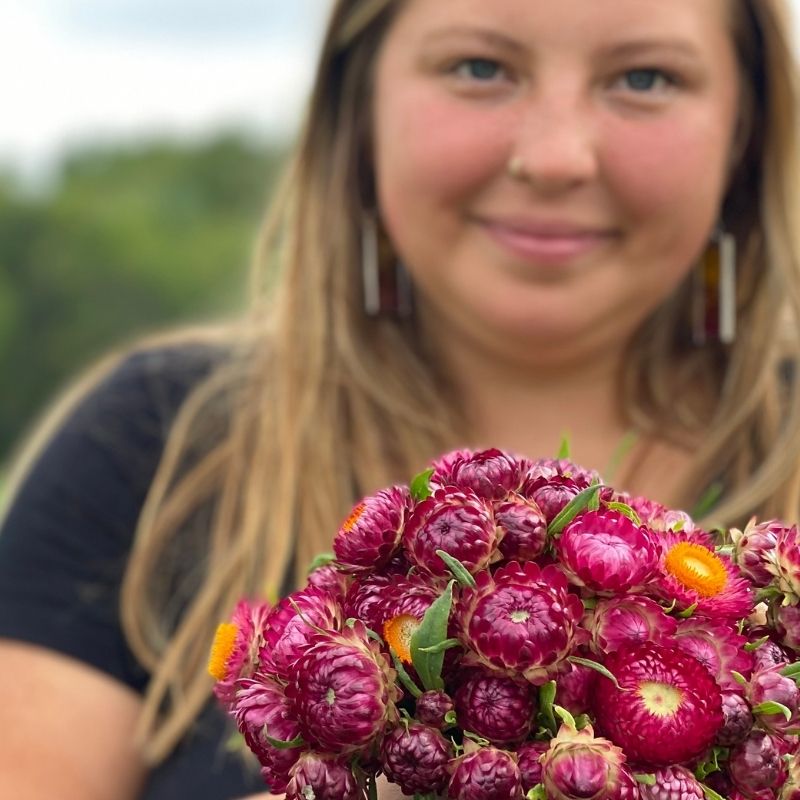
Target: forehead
{"type": "Point", "coordinates": [562, 22]}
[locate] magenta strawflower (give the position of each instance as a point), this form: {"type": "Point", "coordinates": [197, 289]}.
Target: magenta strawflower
{"type": "Point", "coordinates": [667, 710]}
{"type": "Point", "coordinates": [737, 720]}
{"type": "Point", "coordinates": [573, 687]}
{"type": "Point", "coordinates": [331, 580]}
{"type": "Point", "coordinates": [717, 646]}
{"type": "Point", "coordinates": [580, 766]}
{"type": "Point", "coordinates": [371, 533]}
{"type": "Point", "coordinates": [767, 686]}
{"type": "Point", "coordinates": [552, 494]}
{"type": "Point", "coordinates": [564, 468]}
{"type": "Point", "coordinates": [756, 764]}
{"type": "Point", "coordinates": [485, 774]}
{"type": "Point", "coordinates": [786, 564]}
{"type": "Point", "coordinates": [262, 712]}
{"type": "Point", "coordinates": [607, 553]}
{"type": "Point", "coordinates": [322, 776]}
{"type": "Point", "coordinates": [458, 522]}
{"type": "Point", "coordinates": [523, 619]}
{"type": "Point", "coordinates": [374, 599]}
{"type": "Point", "coordinates": [523, 528]}
{"type": "Point", "coordinates": [495, 707]}
{"type": "Point", "coordinates": [529, 756]}
{"type": "Point", "coordinates": [491, 474]}
{"type": "Point", "coordinates": [344, 691]}
{"type": "Point", "coordinates": [754, 549]}
{"type": "Point", "coordinates": [443, 467]}
{"type": "Point", "coordinates": [416, 758]}
{"type": "Point", "coordinates": [432, 708]}
{"type": "Point", "coordinates": [622, 621]}
{"type": "Point", "coordinates": [290, 626]}
{"type": "Point", "coordinates": [695, 576]}
{"type": "Point", "coordinates": [673, 783]}
{"type": "Point", "coordinates": [786, 621]}
{"type": "Point", "coordinates": [235, 650]}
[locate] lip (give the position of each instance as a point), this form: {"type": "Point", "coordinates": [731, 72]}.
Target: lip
{"type": "Point", "coordinates": [547, 241]}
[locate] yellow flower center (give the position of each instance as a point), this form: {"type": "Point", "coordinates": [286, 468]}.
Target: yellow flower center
{"type": "Point", "coordinates": [221, 649]}
{"type": "Point", "coordinates": [697, 568]}
{"type": "Point", "coordinates": [660, 699]}
{"type": "Point", "coordinates": [355, 516]}
{"type": "Point", "coordinates": [398, 632]}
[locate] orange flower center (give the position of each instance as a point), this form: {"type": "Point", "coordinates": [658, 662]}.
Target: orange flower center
{"type": "Point", "coordinates": [355, 516]}
{"type": "Point", "coordinates": [398, 632]}
{"type": "Point", "coordinates": [697, 568]}
{"type": "Point", "coordinates": [221, 649]}
{"type": "Point", "coordinates": [660, 699]}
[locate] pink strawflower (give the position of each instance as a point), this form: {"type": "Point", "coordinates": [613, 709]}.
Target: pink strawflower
{"type": "Point", "coordinates": [607, 553]}
{"type": "Point", "coordinates": [235, 651]}
{"type": "Point", "coordinates": [786, 621]}
{"type": "Point", "coordinates": [769, 685]}
{"type": "Point", "coordinates": [564, 468]}
{"type": "Point", "coordinates": [624, 621]}
{"type": "Point", "coordinates": [694, 575]}
{"type": "Point", "coordinates": [374, 599]}
{"type": "Point", "coordinates": [323, 776]}
{"type": "Point", "coordinates": [717, 646]}
{"type": "Point", "coordinates": [737, 720]}
{"type": "Point", "coordinates": [673, 783]}
{"type": "Point", "coordinates": [485, 774]}
{"type": "Point", "coordinates": [331, 580]}
{"type": "Point", "coordinates": [292, 624]}
{"type": "Point", "coordinates": [457, 522]}
{"type": "Point", "coordinates": [371, 533]}
{"type": "Point", "coordinates": [490, 474]}
{"type": "Point", "coordinates": [756, 765]}
{"type": "Point", "coordinates": [529, 756]}
{"type": "Point", "coordinates": [754, 549]}
{"type": "Point", "coordinates": [416, 758]}
{"type": "Point", "coordinates": [443, 467]}
{"type": "Point", "coordinates": [432, 708]}
{"type": "Point", "coordinates": [667, 710]}
{"type": "Point", "coordinates": [344, 691]}
{"type": "Point", "coordinates": [552, 494]}
{"type": "Point", "coordinates": [495, 707]}
{"type": "Point", "coordinates": [573, 687]}
{"type": "Point", "coordinates": [786, 565]}
{"type": "Point", "coordinates": [263, 712]}
{"type": "Point", "coordinates": [580, 766]}
{"type": "Point", "coordinates": [523, 619]}
{"type": "Point", "coordinates": [522, 526]}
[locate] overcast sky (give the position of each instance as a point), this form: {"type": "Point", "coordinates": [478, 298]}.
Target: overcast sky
{"type": "Point", "coordinates": [75, 70]}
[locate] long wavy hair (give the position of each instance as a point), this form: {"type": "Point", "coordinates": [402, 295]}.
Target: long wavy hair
{"type": "Point", "coordinates": [317, 403]}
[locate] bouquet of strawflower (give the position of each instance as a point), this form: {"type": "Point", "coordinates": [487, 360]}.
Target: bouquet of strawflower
{"type": "Point", "coordinates": [505, 628]}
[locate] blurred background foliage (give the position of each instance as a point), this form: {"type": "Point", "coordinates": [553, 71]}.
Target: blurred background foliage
{"type": "Point", "coordinates": [123, 240]}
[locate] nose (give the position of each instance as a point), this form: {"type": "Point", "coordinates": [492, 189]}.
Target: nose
{"type": "Point", "coordinates": [554, 146]}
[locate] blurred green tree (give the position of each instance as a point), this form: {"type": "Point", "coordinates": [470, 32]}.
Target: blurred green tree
{"type": "Point", "coordinates": [125, 240]}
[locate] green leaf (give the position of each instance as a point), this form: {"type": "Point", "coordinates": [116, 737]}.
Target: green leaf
{"type": "Point", "coordinates": [771, 707]}
{"type": "Point", "coordinates": [751, 646]}
{"type": "Point", "coordinates": [791, 670]}
{"type": "Point", "coordinates": [431, 632]}
{"type": "Point", "coordinates": [459, 571]}
{"type": "Point", "coordinates": [687, 612]}
{"type": "Point", "coordinates": [450, 719]}
{"type": "Point", "coordinates": [625, 510]}
{"type": "Point", "coordinates": [587, 662]}
{"type": "Point", "coordinates": [537, 793]}
{"type": "Point", "coordinates": [479, 740]}
{"type": "Point", "coordinates": [575, 506]}
{"type": "Point", "coordinates": [768, 593]}
{"type": "Point", "coordinates": [594, 502]}
{"type": "Point", "coordinates": [647, 778]}
{"type": "Point", "coordinates": [739, 678]}
{"type": "Point", "coordinates": [581, 721]}
{"type": "Point", "coordinates": [442, 646]}
{"type": "Point", "coordinates": [563, 449]}
{"type": "Point", "coordinates": [280, 744]}
{"type": "Point", "coordinates": [404, 677]}
{"type": "Point", "coordinates": [547, 696]}
{"type": "Point", "coordinates": [322, 560]}
{"type": "Point", "coordinates": [565, 716]}
{"type": "Point", "coordinates": [421, 485]}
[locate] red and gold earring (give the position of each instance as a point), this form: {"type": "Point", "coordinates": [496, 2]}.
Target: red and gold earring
{"type": "Point", "coordinates": [714, 294]}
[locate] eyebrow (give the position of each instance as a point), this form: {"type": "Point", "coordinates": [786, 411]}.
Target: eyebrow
{"type": "Point", "coordinates": [640, 46]}
{"type": "Point", "coordinates": [489, 36]}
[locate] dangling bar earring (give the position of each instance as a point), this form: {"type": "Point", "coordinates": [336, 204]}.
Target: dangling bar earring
{"type": "Point", "coordinates": [714, 301]}
{"type": "Point", "coordinates": [370, 277]}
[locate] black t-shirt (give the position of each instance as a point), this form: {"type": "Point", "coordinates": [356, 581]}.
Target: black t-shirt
{"type": "Point", "coordinates": [65, 542]}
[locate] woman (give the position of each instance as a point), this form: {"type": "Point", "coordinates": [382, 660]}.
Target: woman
{"type": "Point", "coordinates": [549, 175]}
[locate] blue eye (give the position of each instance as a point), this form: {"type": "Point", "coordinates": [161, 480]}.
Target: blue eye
{"type": "Point", "coordinates": [478, 69]}
{"type": "Point", "coordinates": [645, 80]}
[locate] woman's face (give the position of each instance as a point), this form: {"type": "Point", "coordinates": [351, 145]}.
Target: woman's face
{"type": "Point", "coordinates": [619, 113]}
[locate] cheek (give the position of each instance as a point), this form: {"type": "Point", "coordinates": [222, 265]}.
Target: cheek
{"type": "Point", "coordinates": [434, 153]}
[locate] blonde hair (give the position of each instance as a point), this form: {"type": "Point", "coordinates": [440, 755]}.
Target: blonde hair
{"type": "Point", "coordinates": [318, 403]}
